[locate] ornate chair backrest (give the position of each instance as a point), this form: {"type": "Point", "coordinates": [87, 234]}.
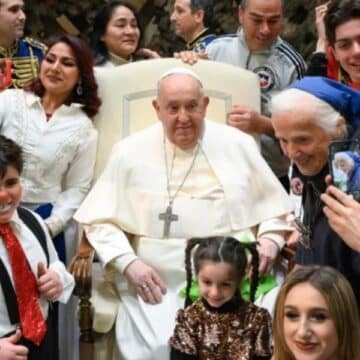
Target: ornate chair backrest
{"type": "Point", "coordinates": [128, 90]}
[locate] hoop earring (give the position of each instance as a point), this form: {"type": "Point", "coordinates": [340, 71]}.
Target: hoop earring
{"type": "Point", "coordinates": [79, 89]}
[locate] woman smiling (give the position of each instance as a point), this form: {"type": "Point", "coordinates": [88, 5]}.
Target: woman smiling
{"type": "Point", "coordinates": [316, 317]}
{"type": "Point", "coordinates": [116, 35]}
{"type": "Point", "coordinates": [51, 121]}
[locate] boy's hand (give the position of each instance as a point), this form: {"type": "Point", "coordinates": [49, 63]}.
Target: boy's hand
{"type": "Point", "coordinates": [9, 350]}
{"type": "Point", "coordinates": [49, 283]}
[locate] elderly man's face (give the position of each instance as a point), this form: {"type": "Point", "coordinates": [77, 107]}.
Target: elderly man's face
{"type": "Point", "coordinates": [302, 140]}
{"type": "Point", "coordinates": [12, 20]}
{"type": "Point", "coordinates": [181, 107]}
{"type": "Point", "coordinates": [262, 22]}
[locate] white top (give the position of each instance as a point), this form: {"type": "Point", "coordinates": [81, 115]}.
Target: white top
{"type": "Point", "coordinates": [34, 254]}
{"type": "Point", "coordinates": [114, 60]}
{"type": "Point", "coordinates": [59, 154]}
{"type": "Point", "coordinates": [229, 190]}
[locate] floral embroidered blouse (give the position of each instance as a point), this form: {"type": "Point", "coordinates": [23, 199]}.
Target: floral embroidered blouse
{"type": "Point", "coordinates": [59, 154]}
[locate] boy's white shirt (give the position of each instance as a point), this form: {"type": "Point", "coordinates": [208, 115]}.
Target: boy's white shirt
{"type": "Point", "coordinates": [34, 254]}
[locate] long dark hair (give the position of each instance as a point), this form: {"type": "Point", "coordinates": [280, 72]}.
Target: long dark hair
{"type": "Point", "coordinates": [85, 62]}
{"type": "Point", "coordinates": [101, 21]}
{"type": "Point", "coordinates": [222, 249]}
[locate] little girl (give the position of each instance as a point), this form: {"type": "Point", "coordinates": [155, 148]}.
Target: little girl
{"type": "Point", "coordinates": [221, 325]}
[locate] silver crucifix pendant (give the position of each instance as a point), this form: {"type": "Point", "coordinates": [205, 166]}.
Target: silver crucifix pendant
{"type": "Point", "coordinates": [168, 217]}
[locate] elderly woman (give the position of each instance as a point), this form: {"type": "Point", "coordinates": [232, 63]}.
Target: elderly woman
{"type": "Point", "coordinates": [316, 317]}
{"type": "Point", "coordinates": [306, 118]}
{"type": "Point", "coordinates": [348, 162]}
{"type": "Point", "coordinates": [51, 121]}
{"type": "Point", "coordinates": [337, 51]}
{"type": "Point", "coordinates": [116, 35]}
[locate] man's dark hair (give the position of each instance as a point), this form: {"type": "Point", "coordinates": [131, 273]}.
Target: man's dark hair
{"type": "Point", "coordinates": [338, 13]}
{"type": "Point", "coordinates": [207, 7]}
{"type": "Point", "coordinates": [10, 155]}
{"type": "Point", "coordinates": [244, 3]}
{"type": "Point", "coordinates": [89, 97]}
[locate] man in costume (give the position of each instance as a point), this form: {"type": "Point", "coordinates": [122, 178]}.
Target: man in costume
{"type": "Point", "coordinates": [25, 54]}
{"type": "Point", "coordinates": [307, 117]}
{"type": "Point", "coordinates": [192, 21]}
{"type": "Point", "coordinates": [180, 178]}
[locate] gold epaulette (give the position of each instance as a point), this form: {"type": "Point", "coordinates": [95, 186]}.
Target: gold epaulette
{"type": "Point", "coordinates": [25, 70]}
{"type": "Point", "coordinates": [36, 44]}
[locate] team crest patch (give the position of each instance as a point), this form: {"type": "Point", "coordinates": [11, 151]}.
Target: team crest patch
{"type": "Point", "coordinates": [267, 78]}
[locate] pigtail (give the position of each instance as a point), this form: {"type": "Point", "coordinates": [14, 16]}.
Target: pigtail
{"type": "Point", "coordinates": [189, 247]}
{"type": "Point", "coordinates": [254, 281]}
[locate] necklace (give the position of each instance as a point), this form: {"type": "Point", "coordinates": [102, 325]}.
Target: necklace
{"type": "Point", "coordinates": [168, 217]}
{"type": "Point", "coordinates": [305, 226]}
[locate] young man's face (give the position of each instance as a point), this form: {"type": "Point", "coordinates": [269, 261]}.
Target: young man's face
{"type": "Point", "coordinates": [10, 194]}
{"type": "Point", "coordinates": [347, 48]}
{"type": "Point", "coordinates": [185, 22]}
{"type": "Point", "coordinates": [12, 21]}
{"type": "Point", "coordinates": [262, 22]}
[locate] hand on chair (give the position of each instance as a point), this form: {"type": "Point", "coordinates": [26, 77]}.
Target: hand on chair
{"type": "Point", "coordinates": [146, 281]}
{"type": "Point", "coordinates": [190, 57]}
{"type": "Point", "coordinates": [243, 118]}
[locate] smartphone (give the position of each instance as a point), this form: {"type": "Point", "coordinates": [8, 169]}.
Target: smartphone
{"type": "Point", "coordinates": [344, 161]}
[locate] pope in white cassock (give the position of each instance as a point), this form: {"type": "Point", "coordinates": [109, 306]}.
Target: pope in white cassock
{"type": "Point", "coordinates": [180, 178]}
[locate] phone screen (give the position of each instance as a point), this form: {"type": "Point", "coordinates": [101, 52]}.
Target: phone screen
{"type": "Point", "coordinates": [345, 166]}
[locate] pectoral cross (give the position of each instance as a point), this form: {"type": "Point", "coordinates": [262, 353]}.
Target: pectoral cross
{"type": "Point", "coordinates": [168, 217]}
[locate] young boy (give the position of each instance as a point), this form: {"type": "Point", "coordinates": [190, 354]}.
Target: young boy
{"type": "Point", "coordinates": [31, 275]}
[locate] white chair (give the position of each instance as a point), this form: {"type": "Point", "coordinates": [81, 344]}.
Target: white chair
{"type": "Point", "coordinates": [126, 92]}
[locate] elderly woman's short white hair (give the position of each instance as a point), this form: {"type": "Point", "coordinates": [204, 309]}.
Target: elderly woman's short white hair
{"type": "Point", "coordinates": [343, 156]}
{"type": "Point", "coordinates": [297, 100]}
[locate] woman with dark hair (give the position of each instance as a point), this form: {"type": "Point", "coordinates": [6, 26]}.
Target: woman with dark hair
{"type": "Point", "coordinates": [51, 121]}
{"type": "Point", "coordinates": [316, 317]}
{"type": "Point", "coordinates": [221, 324]}
{"type": "Point", "coordinates": [116, 35]}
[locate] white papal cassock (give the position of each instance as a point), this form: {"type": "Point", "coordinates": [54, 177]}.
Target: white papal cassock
{"type": "Point", "coordinates": [229, 191]}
